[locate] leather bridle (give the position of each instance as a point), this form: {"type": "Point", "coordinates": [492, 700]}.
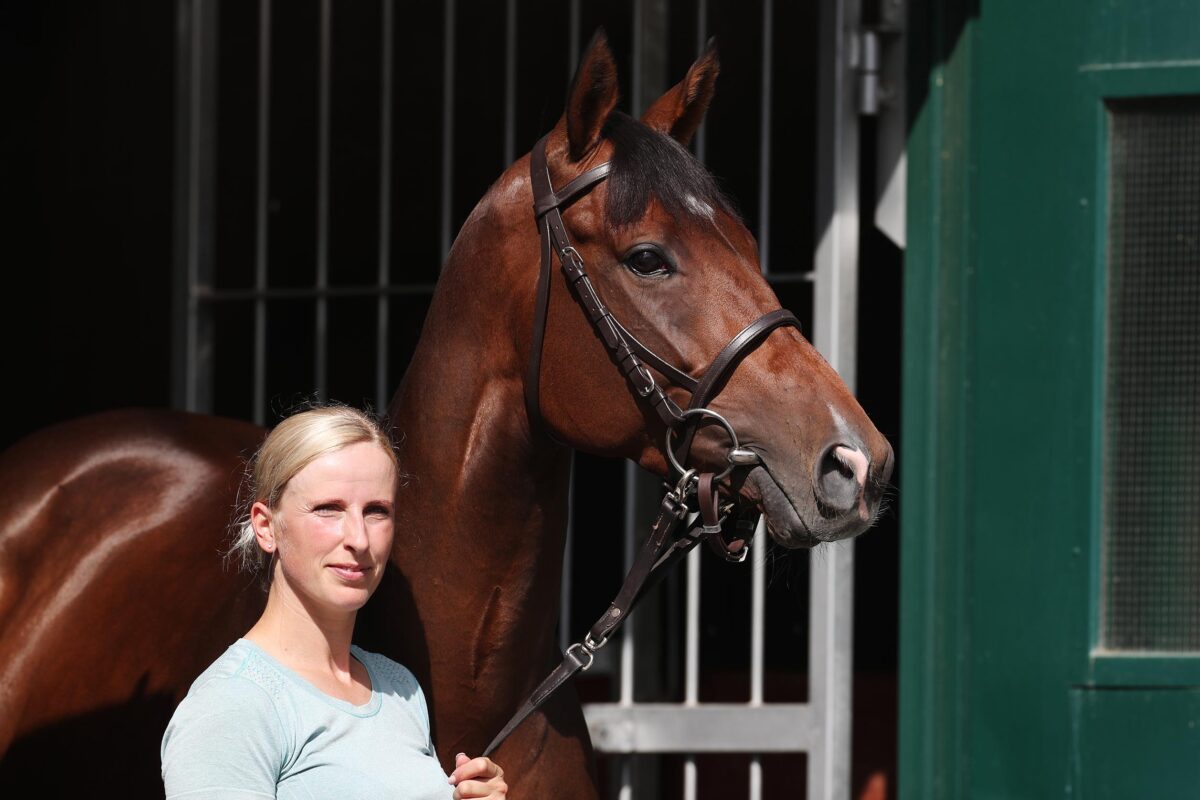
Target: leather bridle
{"type": "Point", "coordinates": [663, 547]}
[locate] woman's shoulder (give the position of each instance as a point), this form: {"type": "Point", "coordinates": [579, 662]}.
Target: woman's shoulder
{"type": "Point", "coordinates": [239, 675]}
{"type": "Point", "coordinates": [229, 724]}
{"type": "Point", "coordinates": [398, 676]}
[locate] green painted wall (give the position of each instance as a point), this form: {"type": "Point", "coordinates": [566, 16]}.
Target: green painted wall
{"type": "Point", "coordinates": [1003, 692]}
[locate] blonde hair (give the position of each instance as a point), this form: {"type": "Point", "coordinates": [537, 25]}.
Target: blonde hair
{"type": "Point", "coordinates": [295, 443]}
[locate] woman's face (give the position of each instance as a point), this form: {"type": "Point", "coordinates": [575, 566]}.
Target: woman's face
{"type": "Point", "coordinates": [333, 528]}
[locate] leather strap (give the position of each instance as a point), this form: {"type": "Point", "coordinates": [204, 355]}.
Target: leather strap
{"type": "Point", "coordinates": [737, 349]}
{"type": "Point", "coordinates": [668, 370]}
{"type": "Point", "coordinates": [556, 199]}
{"type": "Point", "coordinates": [726, 361]}
{"type": "Point", "coordinates": [655, 558]}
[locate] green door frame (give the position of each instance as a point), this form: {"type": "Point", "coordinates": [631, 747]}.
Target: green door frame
{"type": "Point", "coordinates": [954, 567]}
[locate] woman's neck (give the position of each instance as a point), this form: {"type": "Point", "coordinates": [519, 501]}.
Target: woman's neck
{"type": "Point", "coordinates": [308, 643]}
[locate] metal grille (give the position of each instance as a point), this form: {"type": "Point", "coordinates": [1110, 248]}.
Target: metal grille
{"type": "Point", "coordinates": [327, 151]}
{"type": "Point", "coordinates": [1151, 561]}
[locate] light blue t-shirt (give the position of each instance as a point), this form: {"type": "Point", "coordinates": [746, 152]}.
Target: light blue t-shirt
{"type": "Point", "coordinates": [251, 728]}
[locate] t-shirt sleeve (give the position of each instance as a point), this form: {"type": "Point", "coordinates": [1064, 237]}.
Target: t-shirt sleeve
{"type": "Point", "coordinates": [423, 711]}
{"type": "Point", "coordinates": [225, 740]}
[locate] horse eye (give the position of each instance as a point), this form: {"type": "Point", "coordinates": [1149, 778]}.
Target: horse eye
{"type": "Point", "coordinates": [647, 262]}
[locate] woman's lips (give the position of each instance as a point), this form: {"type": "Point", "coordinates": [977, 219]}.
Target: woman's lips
{"type": "Point", "coordinates": [350, 572]}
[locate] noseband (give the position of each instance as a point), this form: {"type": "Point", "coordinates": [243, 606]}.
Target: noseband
{"type": "Point", "coordinates": [662, 548]}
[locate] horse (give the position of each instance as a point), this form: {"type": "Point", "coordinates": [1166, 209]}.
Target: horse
{"type": "Point", "coordinates": [112, 594]}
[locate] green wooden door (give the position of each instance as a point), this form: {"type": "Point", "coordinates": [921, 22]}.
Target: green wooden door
{"type": "Point", "coordinates": [1050, 614]}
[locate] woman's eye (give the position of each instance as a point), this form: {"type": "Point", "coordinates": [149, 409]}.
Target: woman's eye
{"type": "Point", "coordinates": [647, 262]}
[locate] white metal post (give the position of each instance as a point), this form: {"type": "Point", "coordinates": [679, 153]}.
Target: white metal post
{"type": "Point", "coordinates": [834, 334]}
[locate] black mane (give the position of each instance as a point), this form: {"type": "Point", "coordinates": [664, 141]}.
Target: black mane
{"type": "Point", "coordinates": [648, 164]}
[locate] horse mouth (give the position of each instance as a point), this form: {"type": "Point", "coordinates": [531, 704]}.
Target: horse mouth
{"type": "Point", "coordinates": [790, 523]}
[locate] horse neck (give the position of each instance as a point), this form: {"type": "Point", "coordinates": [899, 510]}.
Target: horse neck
{"type": "Point", "coordinates": [485, 506]}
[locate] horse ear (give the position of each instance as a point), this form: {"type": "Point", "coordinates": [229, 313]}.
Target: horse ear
{"type": "Point", "coordinates": [679, 112]}
{"type": "Point", "coordinates": [593, 96]}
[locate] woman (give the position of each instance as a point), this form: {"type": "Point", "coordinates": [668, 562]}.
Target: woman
{"type": "Point", "coordinates": [293, 709]}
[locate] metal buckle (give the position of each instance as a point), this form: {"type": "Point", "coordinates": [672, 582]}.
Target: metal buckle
{"type": "Point", "coordinates": [691, 412]}
{"type": "Point", "coordinates": [648, 383]}
{"type": "Point", "coordinates": [570, 252]}
{"type": "Point", "coordinates": [583, 653]}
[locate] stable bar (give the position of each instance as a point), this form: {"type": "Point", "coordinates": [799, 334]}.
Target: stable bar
{"type": "Point", "coordinates": [764, 262]}
{"type": "Point", "coordinates": [630, 537]}
{"type": "Point", "coordinates": [321, 335]}
{"type": "Point", "coordinates": [835, 298]}
{"type": "Point", "coordinates": [564, 596]}
{"type": "Point", "coordinates": [573, 25]}
{"type": "Point", "coordinates": [691, 687]}
{"type": "Point", "coordinates": [764, 138]}
{"type": "Point", "coordinates": [707, 728]}
{"type": "Point", "coordinates": [447, 126]}
{"type": "Point", "coordinates": [385, 206]}
{"type": "Point", "coordinates": [701, 42]}
{"type": "Point", "coordinates": [261, 218]}
{"type": "Point", "coordinates": [301, 292]}
{"type": "Point", "coordinates": [510, 83]}
{"type": "Point", "coordinates": [195, 157]}
{"type": "Point", "coordinates": [758, 616]}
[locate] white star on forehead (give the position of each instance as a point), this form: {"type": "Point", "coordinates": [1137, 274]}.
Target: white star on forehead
{"type": "Point", "coordinates": [699, 207]}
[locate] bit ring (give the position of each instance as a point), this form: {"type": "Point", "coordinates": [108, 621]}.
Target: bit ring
{"type": "Point", "coordinates": [703, 412]}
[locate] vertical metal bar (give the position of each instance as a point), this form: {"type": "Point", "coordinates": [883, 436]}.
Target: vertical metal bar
{"type": "Point", "coordinates": [448, 26]}
{"type": "Point", "coordinates": [625, 697]}
{"type": "Point", "coordinates": [636, 99]}
{"type": "Point", "coordinates": [834, 329]}
{"type": "Point", "coordinates": [510, 82]}
{"type": "Point", "coordinates": [691, 687]}
{"type": "Point", "coordinates": [385, 205]}
{"type": "Point", "coordinates": [573, 26]}
{"type": "Point", "coordinates": [701, 42]}
{"type": "Point", "coordinates": [323, 114]}
{"type": "Point", "coordinates": [626, 790]}
{"type": "Point", "coordinates": [758, 619]}
{"type": "Point", "coordinates": [182, 351]}
{"type": "Point", "coordinates": [764, 156]}
{"type": "Point", "coordinates": [758, 562]}
{"type": "Point", "coordinates": [195, 167]}
{"type": "Point", "coordinates": [564, 597]}
{"type": "Point", "coordinates": [836, 259]}
{"type": "Point", "coordinates": [262, 220]}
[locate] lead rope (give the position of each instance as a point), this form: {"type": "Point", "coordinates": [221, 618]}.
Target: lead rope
{"type": "Point", "coordinates": [658, 554]}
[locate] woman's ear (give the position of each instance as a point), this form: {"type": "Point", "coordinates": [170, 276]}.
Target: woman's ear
{"type": "Point", "coordinates": [593, 96]}
{"type": "Point", "coordinates": [261, 519]}
{"type": "Point", "coordinates": [679, 112]}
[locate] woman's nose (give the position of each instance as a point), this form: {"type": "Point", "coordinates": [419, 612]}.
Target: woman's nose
{"type": "Point", "coordinates": [354, 534]}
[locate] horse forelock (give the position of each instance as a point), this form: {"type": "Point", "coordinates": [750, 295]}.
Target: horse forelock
{"type": "Point", "coordinates": [648, 164]}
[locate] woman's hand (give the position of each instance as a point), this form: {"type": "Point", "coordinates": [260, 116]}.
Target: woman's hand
{"type": "Point", "coordinates": [477, 777]}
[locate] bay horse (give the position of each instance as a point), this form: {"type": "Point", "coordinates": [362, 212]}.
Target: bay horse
{"type": "Point", "coordinates": [112, 593]}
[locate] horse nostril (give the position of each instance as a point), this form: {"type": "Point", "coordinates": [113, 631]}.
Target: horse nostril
{"type": "Point", "coordinates": [841, 476]}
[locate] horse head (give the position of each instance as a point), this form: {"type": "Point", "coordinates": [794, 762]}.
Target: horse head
{"type": "Point", "coordinates": [680, 271]}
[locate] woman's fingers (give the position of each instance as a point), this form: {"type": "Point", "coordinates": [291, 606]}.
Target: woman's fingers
{"type": "Point", "coordinates": [478, 789]}
{"type": "Point", "coordinates": [474, 768]}
{"type": "Point", "coordinates": [465, 777]}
